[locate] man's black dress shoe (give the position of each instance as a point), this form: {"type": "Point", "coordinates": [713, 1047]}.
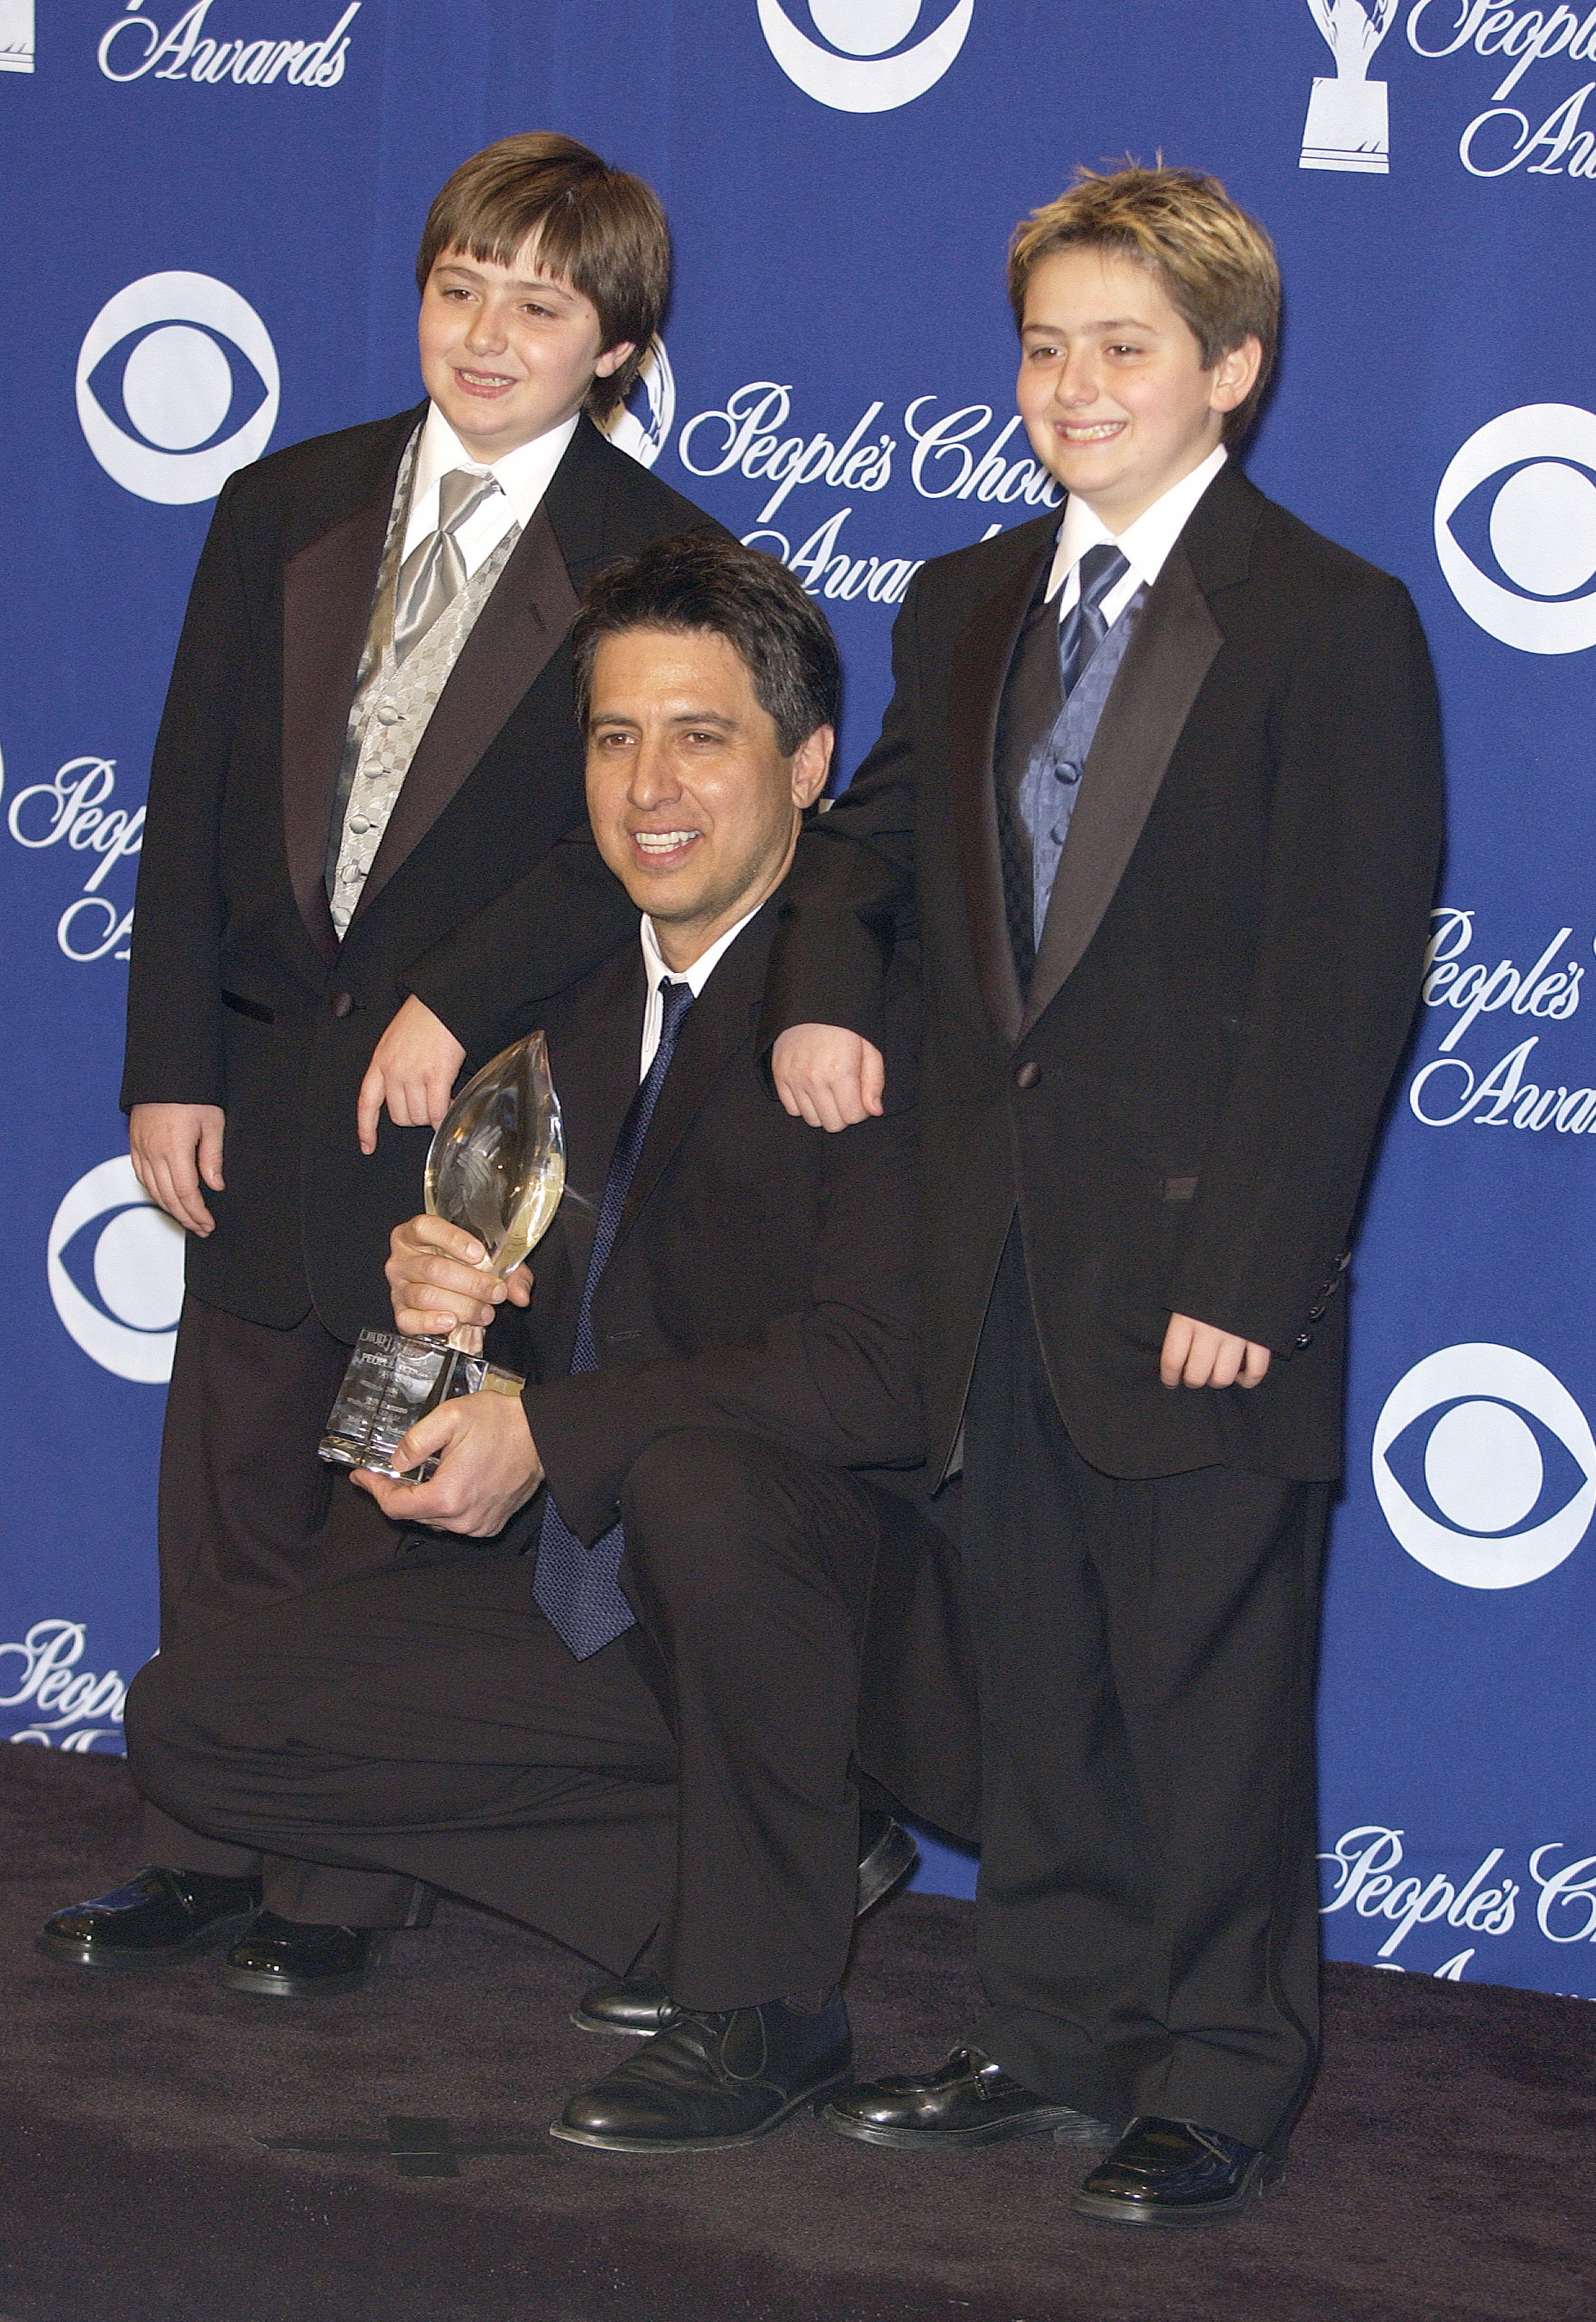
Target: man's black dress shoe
{"type": "Point", "coordinates": [161, 1915]}
{"type": "Point", "coordinates": [713, 2080]}
{"type": "Point", "coordinates": [968, 2100]}
{"type": "Point", "coordinates": [1172, 2173]}
{"type": "Point", "coordinates": [287, 1960]}
{"type": "Point", "coordinates": [640, 2004]}
{"type": "Point", "coordinates": [637, 2004]}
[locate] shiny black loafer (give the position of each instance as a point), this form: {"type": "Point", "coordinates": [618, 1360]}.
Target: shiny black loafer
{"type": "Point", "coordinates": [161, 1915]}
{"type": "Point", "coordinates": [968, 2100]}
{"type": "Point", "coordinates": [714, 2079]}
{"type": "Point", "coordinates": [639, 2005]}
{"type": "Point", "coordinates": [1172, 2173]}
{"type": "Point", "coordinates": [285, 1960]}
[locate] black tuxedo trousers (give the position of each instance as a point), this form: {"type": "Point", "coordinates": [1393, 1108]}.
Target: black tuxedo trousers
{"type": "Point", "coordinates": [685, 1794]}
{"type": "Point", "coordinates": [1145, 1647]}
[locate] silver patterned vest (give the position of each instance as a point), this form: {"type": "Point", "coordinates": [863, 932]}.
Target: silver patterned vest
{"type": "Point", "coordinates": [392, 704]}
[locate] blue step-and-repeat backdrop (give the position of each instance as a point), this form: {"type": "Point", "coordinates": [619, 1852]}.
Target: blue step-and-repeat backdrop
{"type": "Point", "coordinates": [214, 209]}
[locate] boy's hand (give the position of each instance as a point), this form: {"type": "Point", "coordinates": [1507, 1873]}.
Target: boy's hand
{"type": "Point", "coordinates": [435, 1279]}
{"type": "Point", "coordinates": [828, 1077]}
{"type": "Point", "coordinates": [489, 1467]}
{"type": "Point", "coordinates": [173, 1147]}
{"type": "Point", "coordinates": [412, 1072]}
{"type": "Point", "coordinates": [1197, 1355]}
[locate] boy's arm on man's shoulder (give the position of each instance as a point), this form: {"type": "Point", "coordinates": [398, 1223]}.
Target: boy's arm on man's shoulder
{"type": "Point", "coordinates": [174, 1038]}
{"type": "Point", "coordinates": [848, 897]}
{"type": "Point", "coordinates": [1353, 849]}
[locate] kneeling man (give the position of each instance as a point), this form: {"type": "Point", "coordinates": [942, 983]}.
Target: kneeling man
{"type": "Point", "coordinates": [632, 1716]}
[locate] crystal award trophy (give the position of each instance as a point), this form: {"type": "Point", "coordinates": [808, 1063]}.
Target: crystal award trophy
{"type": "Point", "coordinates": [495, 1166]}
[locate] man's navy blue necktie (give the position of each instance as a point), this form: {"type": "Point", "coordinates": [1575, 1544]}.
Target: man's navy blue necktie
{"type": "Point", "coordinates": [575, 1587]}
{"type": "Point", "coordinates": [1085, 624]}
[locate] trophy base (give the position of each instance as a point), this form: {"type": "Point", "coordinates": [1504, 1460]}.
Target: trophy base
{"type": "Point", "coordinates": [392, 1382]}
{"type": "Point", "coordinates": [1348, 127]}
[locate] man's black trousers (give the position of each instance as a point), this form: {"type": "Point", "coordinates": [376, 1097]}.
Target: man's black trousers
{"type": "Point", "coordinates": [1145, 1651]}
{"type": "Point", "coordinates": [683, 1797]}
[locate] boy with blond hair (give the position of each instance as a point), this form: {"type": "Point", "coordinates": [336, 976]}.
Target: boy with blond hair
{"type": "Point", "coordinates": [1161, 783]}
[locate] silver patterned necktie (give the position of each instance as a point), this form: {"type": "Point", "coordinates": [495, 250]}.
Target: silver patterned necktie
{"type": "Point", "coordinates": [434, 571]}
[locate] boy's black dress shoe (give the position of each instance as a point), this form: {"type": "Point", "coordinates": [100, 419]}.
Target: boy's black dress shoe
{"type": "Point", "coordinates": [1172, 2173]}
{"type": "Point", "coordinates": [289, 1959]}
{"type": "Point", "coordinates": [161, 1915]}
{"type": "Point", "coordinates": [714, 2079]}
{"type": "Point", "coordinates": [641, 2005]}
{"type": "Point", "coordinates": [968, 2100]}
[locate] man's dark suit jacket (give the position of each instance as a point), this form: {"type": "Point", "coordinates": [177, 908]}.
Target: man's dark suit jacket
{"type": "Point", "coordinates": [765, 1278]}
{"type": "Point", "coordinates": [1184, 1106]}
{"type": "Point", "coordinates": [241, 995]}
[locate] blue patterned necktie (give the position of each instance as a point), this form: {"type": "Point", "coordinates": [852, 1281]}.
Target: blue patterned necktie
{"type": "Point", "coordinates": [1085, 626]}
{"type": "Point", "coordinates": [573, 1586]}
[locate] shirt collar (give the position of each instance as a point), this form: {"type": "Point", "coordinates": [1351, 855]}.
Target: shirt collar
{"type": "Point", "coordinates": [1145, 544]}
{"type": "Point", "coordinates": [524, 475]}
{"type": "Point", "coordinates": [702, 968]}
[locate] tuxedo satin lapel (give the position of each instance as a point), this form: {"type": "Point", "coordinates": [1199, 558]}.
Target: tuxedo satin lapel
{"type": "Point", "coordinates": [327, 593]}
{"type": "Point", "coordinates": [594, 1073]}
{"type": "Point", "coordinates": [579, 500]}
{"type": "Point", "coordinates": [977, 669]}
{"type": "Point", "coordinates": [1158, 681]}
{"type": "Point", "coordinates": [719, 1022]}
{"type": "Point", "coordinates": [513, 638]}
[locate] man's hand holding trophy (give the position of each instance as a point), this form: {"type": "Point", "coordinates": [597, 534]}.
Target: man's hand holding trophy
{"type": "Point", "coordinates": [494, 1175]}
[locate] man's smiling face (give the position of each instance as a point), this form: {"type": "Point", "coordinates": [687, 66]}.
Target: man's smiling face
{"type": "Point", "coordinates": [693, 805]}
{"type": "Point", "coordinates": [1112, 388]}
{"type": "Point", "coordinates": [508, 351]}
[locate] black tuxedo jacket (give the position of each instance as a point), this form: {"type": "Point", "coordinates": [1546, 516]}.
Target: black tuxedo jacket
{"type": "Point", "coordinates": [241, 995]}
{"type": "Point", "coordinates": [765, 1278]}
{"type": "Point", "coordinates": [1183, 1106]}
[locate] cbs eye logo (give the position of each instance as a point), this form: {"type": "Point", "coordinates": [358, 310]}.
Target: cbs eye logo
{"type": "Point", "coordinates": [1516, 528]}
{"type": "Point", "coordinates": [853, 73]}
{"type": "Point", "coordinates": [1485, 1467]}
{"type": "Point", "coordinates": [178, 385]}
{"type": "Point", "coordinates": [114, 1264]}
{"type": "Point", "coordinates": [641, 425]}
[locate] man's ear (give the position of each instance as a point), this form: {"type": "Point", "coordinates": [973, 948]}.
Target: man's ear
{"type": "Point", "coordinates": [1234, 375]}
{"type": "Point", "coordinates": [611, 359]}
{"type": "Point", "coordinates": [811, 763]}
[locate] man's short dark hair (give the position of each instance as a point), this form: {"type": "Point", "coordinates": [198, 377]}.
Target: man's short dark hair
{"type": "Point", "coordinates": [697, 582]}
{"type": "Point", "coordinates": [599, 229]}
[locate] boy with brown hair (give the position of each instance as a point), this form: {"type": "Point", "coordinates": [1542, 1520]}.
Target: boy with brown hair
{"type": "Point", "coordinates": [368, 778]}
{"type": "Point", "coordinates": [1164, 781]}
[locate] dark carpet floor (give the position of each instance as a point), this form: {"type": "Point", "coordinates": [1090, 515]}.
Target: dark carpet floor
{"type": "Point", "coordinates": [1440, 2174]}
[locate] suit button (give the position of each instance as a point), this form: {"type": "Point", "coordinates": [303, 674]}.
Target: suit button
{"type": "Point", "coordinates": [341, 1003]}
{"type": "Point", "coordinates": [1028, 1074]}
{"type": "Point", "coordinates": [1315, 1313]}
{"type": "Point", "coordinates": [1304, 1338]}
